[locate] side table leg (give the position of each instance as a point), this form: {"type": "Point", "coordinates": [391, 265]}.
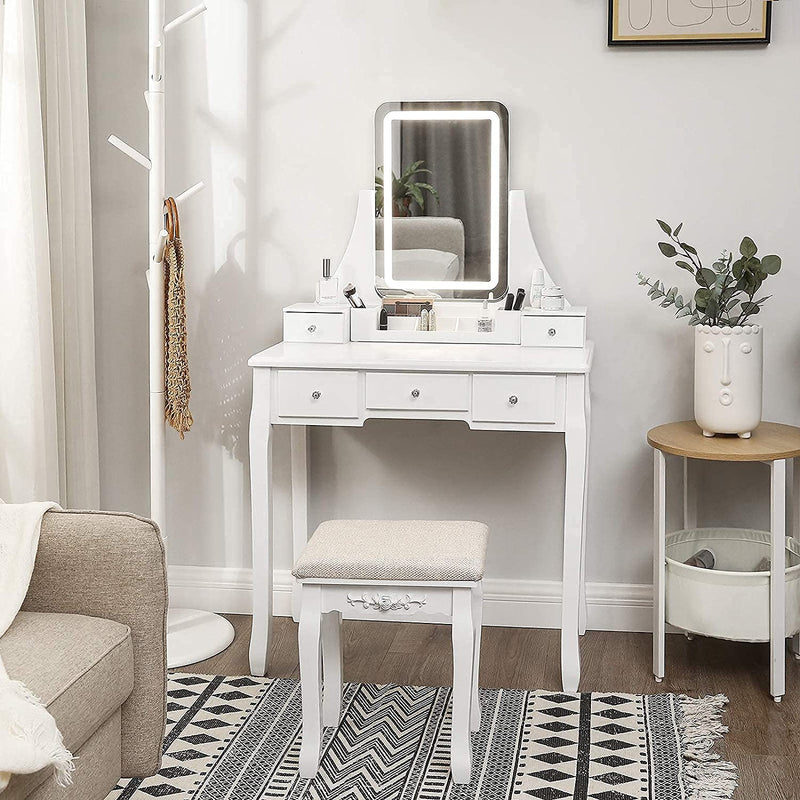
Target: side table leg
{"type": "Point", "coordinates": [659, 562]}
{"type": "Point", "coordinates": [689, 498]}
{"type": "Point", "coordinates": [777, 604]}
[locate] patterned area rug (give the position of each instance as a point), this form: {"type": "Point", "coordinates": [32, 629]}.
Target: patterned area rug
{"type": "Point", "coordinates": [239, 738]}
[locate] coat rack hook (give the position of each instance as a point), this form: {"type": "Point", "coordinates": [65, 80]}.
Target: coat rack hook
{"type": "Point", "coordinates": [199, 186]}
{"type": "Point", "coordinates": [129, 151]}
{"type": "Point", "coordinates": [158, 257]}
{"type": "Point", "coordinates": [185, 17]}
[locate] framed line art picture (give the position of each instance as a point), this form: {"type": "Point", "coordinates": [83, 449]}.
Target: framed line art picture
{"type": "Point", "coordinates": [632, 22]}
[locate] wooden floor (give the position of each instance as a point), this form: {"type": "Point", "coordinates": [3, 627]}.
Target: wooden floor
{"type": "Point", "coordinates": [764, 738]}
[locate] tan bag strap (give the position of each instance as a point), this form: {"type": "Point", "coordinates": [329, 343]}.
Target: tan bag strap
{"type": "Point", "coordinates": [173, 223]}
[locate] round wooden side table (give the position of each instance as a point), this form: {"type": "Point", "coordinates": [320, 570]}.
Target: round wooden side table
{"type": "Point", "coordinates": [771, 443]}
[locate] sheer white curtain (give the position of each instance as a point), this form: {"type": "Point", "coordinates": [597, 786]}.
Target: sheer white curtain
{"type": "Point", "coordinates": [48, 408]}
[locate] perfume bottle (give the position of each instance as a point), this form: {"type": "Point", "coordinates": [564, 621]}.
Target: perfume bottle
{"type": "Point", "coordinates": [327, 286]}
{"type": "Point", "coordinates": [485, 322]}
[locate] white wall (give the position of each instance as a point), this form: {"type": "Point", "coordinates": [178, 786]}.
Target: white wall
{"type": "Point", "coordinates": [271, 103]}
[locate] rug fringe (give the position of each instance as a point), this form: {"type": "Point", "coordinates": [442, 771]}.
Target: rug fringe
{"type": "Point", "coordinates": [707, 776]}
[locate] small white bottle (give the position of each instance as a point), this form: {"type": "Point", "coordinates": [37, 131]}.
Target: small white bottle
{"type": "Point", "coordinates": [537, 284]}
{"type": "Point", "coordinates": [327, 286]}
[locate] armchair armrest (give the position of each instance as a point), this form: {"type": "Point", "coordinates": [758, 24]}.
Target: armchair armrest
{"type": "Point", "coordinates": [112, 565]}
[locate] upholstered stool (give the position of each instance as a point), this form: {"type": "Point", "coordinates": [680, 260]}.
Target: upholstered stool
{"type": "Point", "coordinates": [394, 571]}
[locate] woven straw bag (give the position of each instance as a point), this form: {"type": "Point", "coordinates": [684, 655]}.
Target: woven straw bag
{"type": "Point", "coordinates": [176, 368]}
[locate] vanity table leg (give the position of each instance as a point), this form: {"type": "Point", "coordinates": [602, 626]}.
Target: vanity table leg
{"type": "Point", "coordinates": [575, 442]}
{"type": "Point", "coordinates": [584, 611]}
{"type": "Point", "coordinates": [795, 506]}
{"type": "Point", "coordinates": [261, 520]}
{"type": "Point", "coordinates": [299, 456]}
{"type": "Point", "coordinates": [659, 562]}
{"type": "Point", "coordinates": [777, 588]}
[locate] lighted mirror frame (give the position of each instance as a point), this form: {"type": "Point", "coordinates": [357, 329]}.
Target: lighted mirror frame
{"type": "Point", "coordinates": [496, 135]}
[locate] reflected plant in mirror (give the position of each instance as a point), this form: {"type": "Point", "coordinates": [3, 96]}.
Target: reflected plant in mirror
{"type": "Point", "coordinates": [405, 190]}
{"type": "Point", "coordinates": [446, 234]}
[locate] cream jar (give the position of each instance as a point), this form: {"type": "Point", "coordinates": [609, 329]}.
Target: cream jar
{"type": "Point", "coordinates": [552, 298]}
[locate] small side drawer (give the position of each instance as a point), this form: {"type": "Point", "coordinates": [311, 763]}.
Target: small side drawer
{"type": "Point", "coordinates": [417, 391]}
{"type": "Point", "coordinates": [553, 331]}
{"type": "Point", "coordinates": [514, 398]}
{"type": "Point", "coordinates": [317, 393]}
{"type": "Point", "coordinates": [315, 326]}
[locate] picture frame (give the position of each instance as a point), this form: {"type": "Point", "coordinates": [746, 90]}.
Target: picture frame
{"type": "Point", "coordinates": [688, 22]}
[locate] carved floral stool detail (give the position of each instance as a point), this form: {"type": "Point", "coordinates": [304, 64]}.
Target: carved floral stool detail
{"type": "Point", "coordinates": [394, 571]}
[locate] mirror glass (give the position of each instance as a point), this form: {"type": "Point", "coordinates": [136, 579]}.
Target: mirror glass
{"type": "Point", "coordinates": [441, 199]}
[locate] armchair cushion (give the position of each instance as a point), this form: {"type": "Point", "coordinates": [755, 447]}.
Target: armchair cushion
{"type": "Point", "coordinates": [80, 667]}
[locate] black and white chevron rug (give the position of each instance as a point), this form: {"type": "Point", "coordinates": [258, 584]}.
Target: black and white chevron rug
{"type": "Point", "coordinates": [238, 738]}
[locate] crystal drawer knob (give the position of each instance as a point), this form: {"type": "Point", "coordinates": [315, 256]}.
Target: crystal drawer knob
{"type": "Point", "coordinates": [312, 328]}
{"type": "Point", "coordinates": [551, 332]}
{"type": "Point", "coordinates": [513, 400]}
{"type": "Point", "coordinates": [316, 395]}
{"type": "Point", "coordinates": [415, 393]}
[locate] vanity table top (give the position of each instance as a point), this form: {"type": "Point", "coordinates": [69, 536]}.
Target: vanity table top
{"type": "Point", "coordinates": [426, 357]}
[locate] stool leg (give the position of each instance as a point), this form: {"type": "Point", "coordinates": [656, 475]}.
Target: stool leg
{"type": "Point", "coordinates": [309, 645]}
{"type": "Point", "coordinates": [477, 618]}
{"type": "Point", "coordinates": [460, 754]}
{"type": "Point", "coordinates": [331, 668]}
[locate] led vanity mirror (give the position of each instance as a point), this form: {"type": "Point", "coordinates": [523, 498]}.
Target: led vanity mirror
{"type": "Point", "coordinates": [441, 199]}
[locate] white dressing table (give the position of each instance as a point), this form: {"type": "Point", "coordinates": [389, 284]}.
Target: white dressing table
{"type": "Point", "coordinates": [529, 372]}
{"type": "Point", "coordinates": [490, 387]}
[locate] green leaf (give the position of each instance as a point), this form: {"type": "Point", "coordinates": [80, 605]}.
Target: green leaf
{"type": "Point", "coordinates": [677, 230]}
{"type": "Point", "coordinates": [685, 265]}
{"type": "Point", "coordinates": [771, 264]}
{"type": "Point", "coordinates": [685, 311]}
{"type": "Point", "coordinates": [709, 276]}
{"type": "Point", "coordinates": [688, 248]}
{"type": "Point", "coordinates": [701, 298]}
{"type": "Point", "coordinates": [664, 227]}
{"type": "Point", "coordinates": [738, 268]}
{"type": "Point", "coordinates": [748, 247]}
{"type": "Point", "coordinates": [667, 249]}
{"type": "Point", "coordinates": [750, 308]}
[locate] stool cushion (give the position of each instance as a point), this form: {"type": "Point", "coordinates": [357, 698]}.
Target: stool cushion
{"type": "Point", "coordinates": [380, 550]}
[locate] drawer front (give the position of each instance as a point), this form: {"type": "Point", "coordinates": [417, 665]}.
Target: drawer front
{"type": "Point", "coordinates": [314, 327]}
{"type": "Point", "coordinates": [417, 391]}
{"type": "Point", "coordinates": [553, 331]}
{"type": "Point", "coordinates": [317, 393]}
{"type": "Point", "coordinates": [514, 398]}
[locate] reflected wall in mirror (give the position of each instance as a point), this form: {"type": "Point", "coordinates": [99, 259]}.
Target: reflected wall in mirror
{"type": "Point", "coordinates": [441, 199]}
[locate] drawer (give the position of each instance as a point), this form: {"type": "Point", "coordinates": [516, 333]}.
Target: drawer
{"type": "Point", "coordinates": [553, 331]}
{"type": "Point", "coordinates": [514, 398]}
{"type": "Point", "coordinates": [317, 393]}
{"type": "Point", "coordinates": [414, 391]}
{"type": "Point", "coordinates": [317, 326]}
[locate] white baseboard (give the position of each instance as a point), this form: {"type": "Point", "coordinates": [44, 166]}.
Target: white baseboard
{"type": "Point", "coordinates": [507, 603]}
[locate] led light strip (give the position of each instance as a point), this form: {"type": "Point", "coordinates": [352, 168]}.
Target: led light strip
{"type": "Point", "coordinates": [494, 225]}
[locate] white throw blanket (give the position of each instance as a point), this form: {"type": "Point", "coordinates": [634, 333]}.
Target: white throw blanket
{"type": "Point", "coordinates": [29, 738]}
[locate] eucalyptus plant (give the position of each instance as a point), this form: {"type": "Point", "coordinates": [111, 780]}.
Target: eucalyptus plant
{"type": "Point", "coordinates": [405, 189]}
{"type": "Point", "coordinates": [726, 293]}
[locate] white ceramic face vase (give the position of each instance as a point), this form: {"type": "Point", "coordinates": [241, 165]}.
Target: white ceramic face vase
{"type": "Point", "coordinates": [728, 367]}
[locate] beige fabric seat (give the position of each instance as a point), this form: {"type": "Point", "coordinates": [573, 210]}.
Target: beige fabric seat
{"type": "Point", "coordinates": [90, 642]}
{"type": "Point", "coordinates": [403, 550]}
{"type": "Point", "coordinates": [88, 681]}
